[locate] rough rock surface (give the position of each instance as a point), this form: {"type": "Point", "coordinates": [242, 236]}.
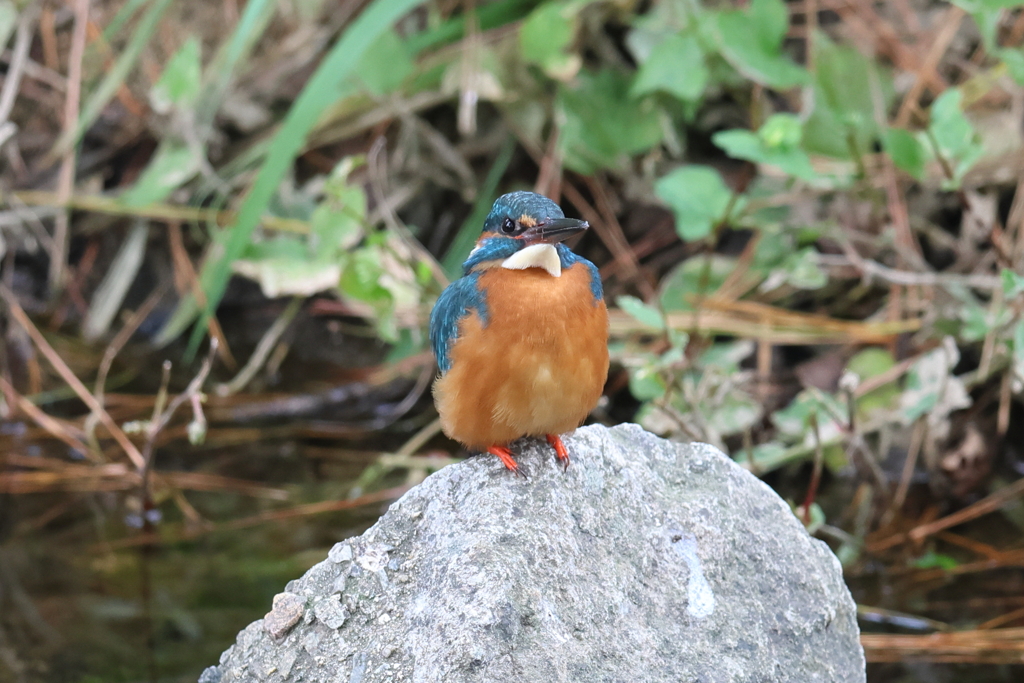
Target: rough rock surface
{"type": "Point", "coordinates": [646, 561]}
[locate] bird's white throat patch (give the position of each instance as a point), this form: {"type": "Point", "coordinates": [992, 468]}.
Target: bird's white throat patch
{"type": "Point", "coordinates": [535, 256]}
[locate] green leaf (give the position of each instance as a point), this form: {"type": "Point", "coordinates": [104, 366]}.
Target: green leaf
{"type": "Point", "coordinates": [871, 362]}
{"type": "Point", "coordinates": [905, 151]}
{"type": "Point", "coordinates": [934, 560]}
{"type": "Point", "coordinates": [736, 413]}
{"type": "Point", "coordinates": [1014, 60]}
{"type": "Point", "coordinates": [283, 265]}
{"type": "Point", "coordinates": [699, 198]}
{"type": "Point", "coordinates": [1013, 284]}
{"type": "Point", "coordinates": [337, 224]}
{"type": "Point", "coordinates": [546, 36]}
{"type": "Point", "coordinates": [977, 322]}
{"type": "Point", "coordinates": [815, 520]}
{"type": "Point", "coordinates": [953, 132]}
{"type": "Point", "coordinates": [601, 126]}
{"type": "Point", "coordinates": [974, 6]}
{"type": "Point", "coordinates": [795, 419]}
{"type": "Point", "coordinates": [172, 165]}
{"type": "Point", "coordinates": [288, 274]}
{"type": "Point", "coordinates": [8, 21]}
{"type": "Point", "coordinates": [752, 42]}
{"type": "Point", "coordinates": [321, 91]}
{"type": "Point", "coordinates": [770, 456]}
{"type": "Point", "coordinates": [334, 230]}
{"type": "Point", "coordinates": [988, 25]}
{"type": "Point", "coordinates": [781, 131]}
{"type": "Point", "coordinates": [362, 274]}
{"type": "Point", "coordinates": [641, 312]}
{"type": "Point", "coordinates": [692, 279]}
{"type": "Point", "coordinates": [987, 16]}
{"type": "Point", "coordinates": [802, 270]}
{"type": "Point", "coordinates": [385, 65]}
{"type": "Point", "coordinates": [646, 383]}
{"type": "Point", "coordinates": [278, 246]}
{"type": "Point", "coordinates": [847, 88]}
{"type": "Point", "coordinates": [953, 135]}
{"type": "Point", "coordinates": [725, 356]}
{"type": "Point", "coordinates": [676, 66]}
{"type": "Point", "coordinates": [180, 81]}
{"type": "Point", "coordinates": [665, 19]}
{"type": "Point", "coordinates": [776, 144]}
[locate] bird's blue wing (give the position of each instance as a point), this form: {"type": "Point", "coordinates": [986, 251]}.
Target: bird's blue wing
{"type": "Point", "coordinates": [568, 257]}
{"type": "Point", "coordinates": [455, 302]}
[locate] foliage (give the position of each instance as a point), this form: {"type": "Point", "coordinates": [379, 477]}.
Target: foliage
{"type": "Point", "coordinates": [830, 198]}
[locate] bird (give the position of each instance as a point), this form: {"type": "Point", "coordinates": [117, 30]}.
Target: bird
{"type": "Point", "coordinates": [521, 339]}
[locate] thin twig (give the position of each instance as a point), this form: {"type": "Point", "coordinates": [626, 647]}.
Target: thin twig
{"type": "Point", "coordinates": [916, 442]}
{"type": "Point", "coordinates": [263, 349]}
{"type": "Point", "coordinates": [984, 506]}
{"type": "Point", "coordinates": [622, 251]}
{"type": "Point", "coordinates": [1003, 414]}
{"type": "Point", "coordinates": [420, 438]}
{"type": "Point", "coordinates": [111, 206]}
{"type": "Point", "coordinates": [819, 459]}
{"type": "Point", "coordinates": [66, 177]}
{"type": "Point", "coordinates": [65, 372]}
{"type": "Point", "coordinates": [183, 264]}
{"type": "Point", "coordinates": [22, 45]}
{"type": "Point", "coordinates": [114, 348]}
{"type": "Point", "coordinates": [377, 160]}
{"type": "Point", "coordinates": [872, 269]}
{"type": "Point", "coordinates": [950, 24]}
{"type": "Point", "coordinates": [162, 417]}
{"type": "Point", "coordinates": [53, 426]}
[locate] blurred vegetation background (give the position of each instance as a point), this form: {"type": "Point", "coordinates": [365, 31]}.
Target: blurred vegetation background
{"type": "Point", "coordinates": [223, 225]}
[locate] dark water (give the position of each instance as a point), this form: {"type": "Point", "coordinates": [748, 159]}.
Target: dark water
{"type": "Point", "coordinates": [72, 609]}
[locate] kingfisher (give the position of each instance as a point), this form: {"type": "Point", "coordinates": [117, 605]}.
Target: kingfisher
{"type": "Point", "coordinates": [521, 339]}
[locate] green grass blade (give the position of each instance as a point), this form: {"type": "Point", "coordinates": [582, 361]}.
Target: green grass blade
{"type": "Point", "coordinates": [107, 88]}
{"type": "Point", "coordinates": [250, 28]}
{"type": "Point", "coordinates": [489, 16]}
{"type": "Point", "coordinates": [470, 230]}
{"type": "Point", "coordinates": [121, 18]}
{"type": "Point", "coordinates": [321, 91]}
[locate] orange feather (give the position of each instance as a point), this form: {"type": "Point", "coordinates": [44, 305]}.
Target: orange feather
{"type": "Point", "coordinates": [538, 367]}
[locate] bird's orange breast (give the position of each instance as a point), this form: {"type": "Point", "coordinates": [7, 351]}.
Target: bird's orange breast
{"type": "Point", "coordinates": [537, 367]}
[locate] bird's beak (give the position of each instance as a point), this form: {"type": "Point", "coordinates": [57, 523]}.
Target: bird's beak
{"type": "Point", "coordinates": [555, 230]}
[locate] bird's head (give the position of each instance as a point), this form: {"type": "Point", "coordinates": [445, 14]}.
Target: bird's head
{"type": "Point", "coordinates": [521, 231]}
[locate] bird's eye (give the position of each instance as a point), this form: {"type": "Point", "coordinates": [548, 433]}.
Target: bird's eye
{"type": "Point", "coordinates": [508, 226]}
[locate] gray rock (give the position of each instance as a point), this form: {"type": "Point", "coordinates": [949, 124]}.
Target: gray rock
{"type": "Point", "coordinates": [646, 561]}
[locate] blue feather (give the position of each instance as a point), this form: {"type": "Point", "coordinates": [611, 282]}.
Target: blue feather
{"type": "Point", "coordinates": [516, 204]}
{"type": "Point", "coordinates": [491, 249]}
{"type": "Point", "coordinates": [566, 257]}
{"type": "Point", "coordinates": [455, 302]}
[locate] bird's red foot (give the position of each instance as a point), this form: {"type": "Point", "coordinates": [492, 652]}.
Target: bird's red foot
{"type": "Point", "coordinates": [505, 455]}
{"type": "Point", "coordinates": [560, 450]}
